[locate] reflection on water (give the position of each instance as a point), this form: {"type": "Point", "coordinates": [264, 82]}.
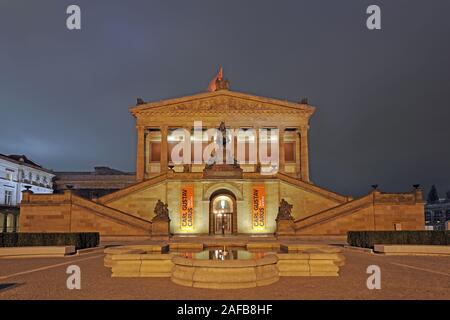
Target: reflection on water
{"type": "Point", "coordinates": [224, 253]}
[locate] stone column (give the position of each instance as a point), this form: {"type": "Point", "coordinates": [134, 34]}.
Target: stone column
{"type": "Point", "coordinates": [297, 153]}
{"type": "Point", "coordinates": [188, 166]}
{"type": "Point", "coordinates": [235, 143]}
{"type": "Point", "coordinates": [164, 149]}
{"type": "Point", "coordinates": [140, 153]}
{"type": "Point", "coordinates": [258, 158]}
{"type": "Point", "coordinates": [304, 161]}
{"type": "Point", "coordinates": [281, 148]}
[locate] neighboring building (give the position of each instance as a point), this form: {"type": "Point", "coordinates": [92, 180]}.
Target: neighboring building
{"type": "Point", "coordinates": [207, 197]}
{"type": "Point", "coordinates": [91, 185]}
{"type": "Point", "coordinates": [437, 215]}
{"type": "Point", "coordinates": [17, 173]}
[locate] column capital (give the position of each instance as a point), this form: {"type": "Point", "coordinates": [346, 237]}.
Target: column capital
{"type": "Point", "coordinates": [304, 128]}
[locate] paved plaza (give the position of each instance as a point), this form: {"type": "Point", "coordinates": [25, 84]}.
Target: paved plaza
{"type": "Point", "coordinates": [402, 277]}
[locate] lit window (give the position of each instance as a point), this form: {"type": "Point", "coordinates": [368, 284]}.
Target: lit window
{"type": "Point", "coordinates": [8, 197]}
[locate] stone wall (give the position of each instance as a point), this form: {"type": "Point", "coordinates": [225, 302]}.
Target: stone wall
{"type": "Point", "coordinates": [128, 212]}
{"type": "Point", "coordinates": [307, 200]}
{"type": "Point", "coordinates": [305, 203]}
{"type": "Point", "coordinates": [376, 211]}
{"type": "Point", "coordinates": [142, 202]}
{"type": "Point", "coordinates": [70, 213]}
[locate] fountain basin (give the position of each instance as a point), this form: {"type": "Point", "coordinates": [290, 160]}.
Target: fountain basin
{"type": "Point", "coordinates": [224, 267]}
{"type": "Point", "coordinates": [310, 263]}
{"type": "Point", "coordinates": [142, 265]}
{"type": "Point", "coordinates": [138, 261]}
{"type": "Point", "coordinates": [225, 274]}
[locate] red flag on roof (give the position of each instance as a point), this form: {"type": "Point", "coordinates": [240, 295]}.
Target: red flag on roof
{"type": "Point", "coordinates": [212, 85]}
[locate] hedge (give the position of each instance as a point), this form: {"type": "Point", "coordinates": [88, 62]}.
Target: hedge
{"type": "Point", "coordinates": [367, 239]}
{"type": "Point", "coordinates": [80, 240]}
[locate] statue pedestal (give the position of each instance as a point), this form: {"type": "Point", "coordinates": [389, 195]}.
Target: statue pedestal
{"type": "Point", "coordinates": [285, 227]}
{"type": "Point", "coordinates": [160, 228]}
{"type": "Point", "coordinates": [221, 171]}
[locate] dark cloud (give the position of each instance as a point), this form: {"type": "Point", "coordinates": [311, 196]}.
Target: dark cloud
{"type": "Point", "coordinates": [382, 97]}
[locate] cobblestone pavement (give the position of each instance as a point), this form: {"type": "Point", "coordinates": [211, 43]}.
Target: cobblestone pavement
{"type": "Point", "coordinates": [402, 277]}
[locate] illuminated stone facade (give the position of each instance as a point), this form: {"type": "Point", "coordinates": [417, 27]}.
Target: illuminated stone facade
{"type": "Point", "coordinates": [242, 198]}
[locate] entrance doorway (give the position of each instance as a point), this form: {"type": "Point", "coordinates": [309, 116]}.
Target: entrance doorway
{"type": "Point", "coordinates": [222, 213]}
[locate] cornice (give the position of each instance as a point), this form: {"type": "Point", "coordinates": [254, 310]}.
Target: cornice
{"type": "Point", "coordinates": [221, 102]}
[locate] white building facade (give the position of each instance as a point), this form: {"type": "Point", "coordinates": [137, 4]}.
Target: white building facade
{"type": "Point", "coordinates": [437, 215]}
{"type": "Point", "coordinates": [18, 173]}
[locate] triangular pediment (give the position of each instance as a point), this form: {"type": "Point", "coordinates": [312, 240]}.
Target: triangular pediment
{"type": "Point", "coordinates": [222, 101]}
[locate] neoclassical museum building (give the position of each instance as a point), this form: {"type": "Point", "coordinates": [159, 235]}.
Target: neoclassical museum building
{"type": "Point", "coordinates": [239, 195]}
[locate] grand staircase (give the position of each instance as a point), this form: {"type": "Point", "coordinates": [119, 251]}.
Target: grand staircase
{"type": "Point", "coordinates": [112, 214]}
{"type": "Point", "coordinates": [328, 215]}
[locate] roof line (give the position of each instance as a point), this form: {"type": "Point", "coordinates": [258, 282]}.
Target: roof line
{"type": "Point", "coordinates": [201, 95]}
{"type": "Point", "coordinates": [35, 166]}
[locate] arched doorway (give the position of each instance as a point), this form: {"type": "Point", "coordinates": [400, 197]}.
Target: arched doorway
{"type": "Point", "coordinates": [222, 213]}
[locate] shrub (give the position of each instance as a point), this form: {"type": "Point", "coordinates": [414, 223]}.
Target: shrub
{"type": "Point", "coordinates": [80, 240]}
{"type": "Point", "coordinates": [367, 239]}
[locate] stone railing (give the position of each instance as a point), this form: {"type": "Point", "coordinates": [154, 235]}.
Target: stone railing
{"type": "Point", "coordinates": [50, 198]}
{"type": "Point", "coordinates": [380, 197]}
{"type": "Point", "coordinates": [311, 187]}
{"type": "Point", "coordinates": [161, 260]}
{"type": "Point", "coordinates": [335, 211]}
{"type": "Point", "coordinates": [112, 213]}
{"type": "Point", "coordinates": [132, 188]}
{"type": "Point", "coordinates": [68, 198]}
{"type": "Point", "coordinates": [309, 260]}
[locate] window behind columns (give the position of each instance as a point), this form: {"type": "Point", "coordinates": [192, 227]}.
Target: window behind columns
{"type": "Point", "coordinates": [249, 142]}
{"type": "Point", "coordinates": [198, 139]}
{"type": "Point", "coordinates": [154, 145]}
{"type": "Point", "coordinates": [289, 144]}
{"type": "Point", "coordinates": [173, 140]}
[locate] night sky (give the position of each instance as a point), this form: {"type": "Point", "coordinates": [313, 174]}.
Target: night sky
{"type": "Point", "coordinates": [382, 97]}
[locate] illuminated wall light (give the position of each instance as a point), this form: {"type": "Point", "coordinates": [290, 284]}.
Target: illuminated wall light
{"type": "Point", "coordinates": [259, 228]}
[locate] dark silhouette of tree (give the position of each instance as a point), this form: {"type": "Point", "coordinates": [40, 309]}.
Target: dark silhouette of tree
{"type": "Point", "coordinates": [433, 195]}
{"type": "Point", "coordinates": [447, 195]}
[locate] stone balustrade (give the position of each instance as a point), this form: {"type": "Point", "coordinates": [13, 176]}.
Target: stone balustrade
{"type": "Point", "coordinates": [139, 261]}
{"type": "Point", "coordinates": [279, 260]}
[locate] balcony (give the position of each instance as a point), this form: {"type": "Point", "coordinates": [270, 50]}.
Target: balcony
{"type": "Point", "coordinates": [5, 206]}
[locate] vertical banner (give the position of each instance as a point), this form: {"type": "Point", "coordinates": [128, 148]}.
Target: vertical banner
{"type": "Point", "coordinates": [187, 208]}
{"type": "Point", "coordinates": [258, 208]}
